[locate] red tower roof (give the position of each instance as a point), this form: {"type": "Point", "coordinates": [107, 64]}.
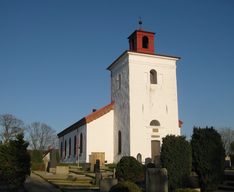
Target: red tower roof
{"type": "Point", "coordinates": [141, 41]}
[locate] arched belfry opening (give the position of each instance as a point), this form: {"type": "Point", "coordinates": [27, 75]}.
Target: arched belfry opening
{"type": "Point", "coordinates": [141, 41]}
{"type": "Point", "coordinates": [145, 42]}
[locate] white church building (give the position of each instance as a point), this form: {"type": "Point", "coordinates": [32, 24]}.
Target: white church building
{"type": "Point", "coordinates": [143, 108]}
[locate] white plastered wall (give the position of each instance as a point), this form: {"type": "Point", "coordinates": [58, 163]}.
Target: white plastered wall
{"type": "Point", "coordinates": [99, 135]}
{"type": "Point", "coordinates": [151, 101]}
{"type": "Point", "coordinates": [121, 108]}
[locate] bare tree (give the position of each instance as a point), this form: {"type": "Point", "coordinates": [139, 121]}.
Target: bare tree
{"type": "Point", "coordinates": [41, 136]}
{"type": "Point", "coordinates": [227, 135]}
{"type": "Point", "coordinates": [11, 127]}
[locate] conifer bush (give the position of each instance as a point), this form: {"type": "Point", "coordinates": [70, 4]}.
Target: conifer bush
{"type": "Point", "coordinates": [208, 156]}
{"type": "Point", "coordinates": [14, 163]}
{"type": "Point", "coordinates": [37, 156]}
{"type": "Point", "coordinates": [176, 157]}
{"type": "Point", "coordinates": [38, 167]}
{"type": "Point", "coordinates": [129, 169]}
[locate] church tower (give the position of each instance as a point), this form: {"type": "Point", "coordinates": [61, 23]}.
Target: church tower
{"type": "Point", "coordinates": [144, 92]}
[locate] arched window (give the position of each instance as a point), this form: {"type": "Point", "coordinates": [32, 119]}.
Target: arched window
{"type": "Point", "coordinates": [70, 147]}
{"type": "Point", "coordinates": [75, 145]}
{"type": "Point", "coordinates": [119, 81]}
{"type": "Point", "coordinates": [81, 143]}
{"type": "Point", "coordinates": [153, 77]}
{"type": "Point", "coordinates": [65, 148]}
{"type": "Point", "coordinates": [154, 123]}
{"type": "Point", "coordinates": [61, 150]}
{"type": "Point", "coordinates": [119, 142]}
{"type": "Point", "coordinates": [145, 42]}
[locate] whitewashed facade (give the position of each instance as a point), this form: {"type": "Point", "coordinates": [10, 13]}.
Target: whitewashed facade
{"type": "Point", "coordinates": [144, 106]}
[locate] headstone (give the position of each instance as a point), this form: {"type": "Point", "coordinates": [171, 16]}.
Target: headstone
{"type": "Point", "coordinates": [97, 166]}
{"type": "Point", "coordinates": [98, 176]}
{"type": "Point", "coordinates": [106, 184]}
{"type": "Point", "coordinates": [114, 170]}
{"type": "Point", "coordinates": [155, 149]}
{"type": "Point", "coordinates": [156, 180]}
{"type": "Point", "coordinates": [147, 161]}
{"type": "Point", "coordinates": [53, 162]}
{"type": "Point", "coordinates": [193, 180]}
{"type": "Point", "coordinates": [157, 162]}
{"type": "Point", "coordinates": [91, 168]}
{"type": "Point", "coordinates": [139, 158]}
{"type": "Point", "coordinates": [86, 166]}
{"type": "Point", "coordinates": [150, 165]}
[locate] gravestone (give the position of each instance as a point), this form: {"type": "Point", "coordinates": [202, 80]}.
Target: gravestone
{"type": "Point", "coordinates": [147, 161]}
{"type": "Point", "coordinates": [155, 149]}
{"type": "Point", "coordinates": [157, 161]}
{"type": "Point", "coordinates": [98, 176]}
{"type": "Point", "coordinates": [97, 166]}
{"type": "Point", "coordinates": [106, 184]}
{"type": "Point", "coordinates": [53, 161]}
{"type": "Point", "coordinates": [139, 158]}
{"type": "Point", "coordinates": [150, 165]}
{"type": "Point", "coordinates": [193, 180]}
{"type": "Point", "coordinates": [156, 180]}
{"type": "Point", "coordinates": [86, 166]}
{"type": "Point", "coordinates": [91, 168]}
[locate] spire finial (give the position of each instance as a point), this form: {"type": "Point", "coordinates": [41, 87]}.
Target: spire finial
{"type": "Point", "coordinates": [140, 22]}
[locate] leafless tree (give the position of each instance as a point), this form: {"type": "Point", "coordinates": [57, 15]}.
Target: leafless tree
{"type": "Point", "coordinates": [41, 136]}
{"type": "Point", "coordinates": [11, 127]}
{"type": "Point", "coordinates": [227, 135]}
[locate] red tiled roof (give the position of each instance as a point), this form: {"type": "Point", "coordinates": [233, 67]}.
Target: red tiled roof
{"type": "Point", "coordinates": [87, 119]}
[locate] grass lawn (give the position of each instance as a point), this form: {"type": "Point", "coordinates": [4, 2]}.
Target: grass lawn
{"type": "Point", "coordinates": [111, 165]}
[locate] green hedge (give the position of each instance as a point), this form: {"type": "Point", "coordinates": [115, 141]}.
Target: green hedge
{"type": "Point", "coordinates": [176, 157]}
{"type": "Point", "coordinates": [37, 156]}
{"type": "Point", "coordinates": [62, 164]}
{"type": "Point", "coordinates": [38, 167]}
{"type": "Point", "coordinates": [129, 169]}
{"type": "Point", "coordinates": [185, 190]}
{"type": "Point", "coordinates": [208, 157]}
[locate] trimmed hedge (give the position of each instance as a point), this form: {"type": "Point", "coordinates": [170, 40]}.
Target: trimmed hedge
{"type": "Point", "coordinates": [62, 164]}
{"type": "Point", "coordinates": [185, 190]}
{"type": "Point", "coordinates": [176, 157]}
{"type": "Point", "coordinates": [129, 169]}
{"type": "Point", "coordinates": [208, 157]}
{"type": "Point", "coordinates": [37, 156]}
{"type": "Point", "coordinates": [38, 167]}
{"type": "Point", "coordinates": [125, 187]}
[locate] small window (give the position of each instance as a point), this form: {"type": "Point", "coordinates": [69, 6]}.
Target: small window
{"type": "Point", "coordinates": [145, 42]}
{"type": "Point", "coordinates": [65, 148]}
{"type": "Point", "coordinates": [81, 143]}
{"type": "Point", "coordinates": [119, 142]}
{"type": "Point", "coordinates": [154, 123]}
{"type": "Point", "coordinates": [153, 77]}
{"type": "Point", "coordinates": [69, 147]}
{"type": "Point", "coordinates": [119, 81]}
{"type": "Point", "coordinates": [61, 150]}
{"type": "Point", "coordinates": [75, 145]}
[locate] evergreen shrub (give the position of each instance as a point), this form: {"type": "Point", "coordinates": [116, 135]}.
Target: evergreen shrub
{"type": "Point", "coordinates": [37, 156]}
{"type": "Point", "coordinates": [57, 157]}
{"type": "Point", "coordinates": [129, 169]}
{"type": "Point", "coordinates": [208, 156]}
{"type": "Point", "coordinates": [176, 157]}
{"type": "Point", "coordinates": [125, 187]}
{"type": "Point", "coordinates": [38, 167]}
{"type": "Point", "coordinates": [14, 163]}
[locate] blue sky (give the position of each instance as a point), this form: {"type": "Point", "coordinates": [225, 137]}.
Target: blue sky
{"type": "Point", "coordinates": [54, 55]}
